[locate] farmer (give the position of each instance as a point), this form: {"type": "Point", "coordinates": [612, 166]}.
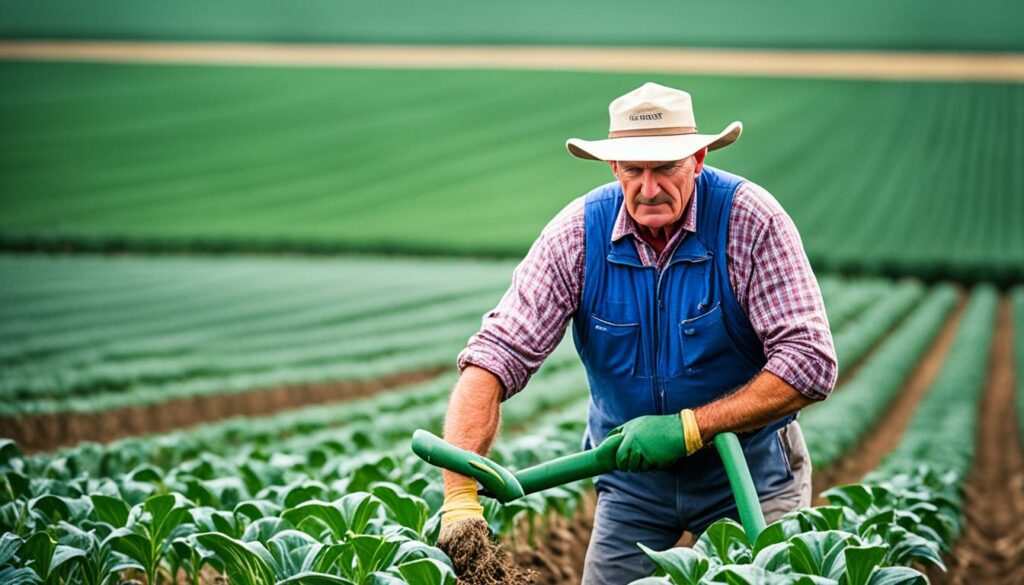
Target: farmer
{"type": "Point", "coordinates": [694, 311]}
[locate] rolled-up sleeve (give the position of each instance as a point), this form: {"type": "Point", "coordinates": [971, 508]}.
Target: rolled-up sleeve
{"type": "Point", "coordinates": [775, 283]}
{"type": "Point", "coordinates": [530, 319]}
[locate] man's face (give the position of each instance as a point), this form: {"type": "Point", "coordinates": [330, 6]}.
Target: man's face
{"type": "Point", "coordinates": [657, 192]}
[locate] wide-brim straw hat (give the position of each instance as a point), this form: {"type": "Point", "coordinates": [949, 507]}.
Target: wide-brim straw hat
{"type": "Point", "coordinates": [652, 123]}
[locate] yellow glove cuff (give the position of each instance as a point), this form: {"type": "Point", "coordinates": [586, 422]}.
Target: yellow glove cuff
{"type": "Point", "coordinates": [691, 434]}
{"type": "Point", "coordinates": [461, 503]}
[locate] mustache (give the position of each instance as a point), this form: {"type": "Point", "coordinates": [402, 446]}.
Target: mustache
{"type": "Point", "coordinates": [656, 200]}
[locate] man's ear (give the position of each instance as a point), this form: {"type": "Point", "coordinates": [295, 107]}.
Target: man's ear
{"type": "Point", "coordinates": [614, 165]}
{"type": "Point", "coordinates": [699, 156]}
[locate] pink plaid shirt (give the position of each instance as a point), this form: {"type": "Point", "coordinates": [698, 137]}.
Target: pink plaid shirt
{"type": "Point", "coordinates": [768, 269]}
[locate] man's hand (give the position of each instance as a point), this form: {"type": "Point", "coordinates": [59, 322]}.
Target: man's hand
{"type": "Point", "coordinates": [651, 442]}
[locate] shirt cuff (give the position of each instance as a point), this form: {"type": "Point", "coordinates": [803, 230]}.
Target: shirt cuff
{"type": "Point", "coordinates": [813, 379]}
{"type": "Point", "coordinates": [510, 373]}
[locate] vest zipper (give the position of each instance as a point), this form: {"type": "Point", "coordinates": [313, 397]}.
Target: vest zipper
{"type": "Point", "coordinates": [659, 394]}
{"type": "Point", "coordinates": [656, 389]}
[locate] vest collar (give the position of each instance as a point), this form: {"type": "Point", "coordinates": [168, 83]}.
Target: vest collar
{"type": "Point", "coordinates": [622, 250]}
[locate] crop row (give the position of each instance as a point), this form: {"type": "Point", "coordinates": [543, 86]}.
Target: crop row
{"type": "Point", "coordinates": [837, 424]}
{"type": "Point", "coordinates": [236, 325]}
{"type": "Point", "coordinates": [296, 515]}
{"type": "Point", "coordinates": [84, 346]}
{"type": "Point", "coordinates": [857, 337]}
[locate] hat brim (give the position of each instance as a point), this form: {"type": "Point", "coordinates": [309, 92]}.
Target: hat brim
{"type": "Point", "coordinates": [652, 148]}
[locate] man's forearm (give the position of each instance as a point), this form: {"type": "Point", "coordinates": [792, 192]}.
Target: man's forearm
{"type": "Point", "coordinates": [764, 399]}
{"type": "Point", "coordinates": [474, 414]}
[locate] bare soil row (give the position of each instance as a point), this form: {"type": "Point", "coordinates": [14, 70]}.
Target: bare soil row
{"type": "Point", "coordinates": [991, 549]}
{"type": "Point", "coordinates": [50, 431]}
{"type": "Point", "coordinates": [886, 433]}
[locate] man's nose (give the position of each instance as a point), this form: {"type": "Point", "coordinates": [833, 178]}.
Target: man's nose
{"type": "Point", "coordinates": [649, 187]}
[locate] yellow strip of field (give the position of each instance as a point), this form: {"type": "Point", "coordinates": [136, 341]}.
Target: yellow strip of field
{"type": "Point", "coordinates": [999, 67]}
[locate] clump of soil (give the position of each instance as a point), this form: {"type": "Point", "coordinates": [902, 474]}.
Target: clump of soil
{"type": "Point", "coordinates": [477, 559]}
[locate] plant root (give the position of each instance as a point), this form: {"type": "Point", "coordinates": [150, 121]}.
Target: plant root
{"type": "Point", "coordinates": [477, 559]}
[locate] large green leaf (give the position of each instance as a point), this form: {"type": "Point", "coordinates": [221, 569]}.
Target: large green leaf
{"type": "Point", "coordinates": [167, 512]}
{"type": "Point", "coordinates": [897, 576]}
{"type": "Point", "coordinates": [256, 509]}
{"type": "Point", "coordinates": [8, 451]}
{"type": "Point", "coordinates": [409, 511]}
{"type": "Point", "coordinates": [358, 509]}
{"type": "Point", "coordinates": [426, 572]}
{"type": "Point", "coordinates": [907, 547]}
{"type": "Point", "coordinates": [133, 545]}
{"type": "Point", "coordinates": [264, 529]}
{"type": "Point", "coordinates": [861, 562]}
{"type": "Point", "coordinates": [113, 511]}
{"type": "Point", "coordinates": [819, 553]}
{"type": "Point", "coordinates": [856, 496]}
{"type": "Point", "coordinates": [373, 553]}
{"type": "Point", "coordinates": [37, 553]}
{"type": "Point", "coordinates": [745, 575]}
{"type": "Point", "coordinates": [775, 533]}
{"type": "Point", "coordinates": [410, 550]}
{"type": "Point", "coordinates": [774, 557]}
{"type": "Point", "coordinates": [23, 576]}
{"type": "Point", "coordinates": [322, 559]}
{"type": "Point", "coordinates": [685, 566]}
{"type": "Point", "coordinates": [725, 540]}
{"type": "Point", "coordinates": [9, 545]}
{"type": "Point", "coordinates": [61, 507]}
{"type": "Point", "coordinates": [289, 549]}
{"type": "Point", "coordinates": [325, 512]}
{"type": "Point", "coordinates": [14, 485]}
{"type": "Point", "coordinates": [311, 578]}
{"type": "Point", "coordinates": [246, 563]}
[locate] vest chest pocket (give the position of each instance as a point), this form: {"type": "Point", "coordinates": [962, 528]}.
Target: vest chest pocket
{"type": "Point", "coordinates": [703, 340]}
{"type": "Point", "coordinates": [613, 346]}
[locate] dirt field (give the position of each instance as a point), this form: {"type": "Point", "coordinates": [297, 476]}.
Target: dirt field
{"type": "Point", "coordinates": [48, 432]}
{"type": "Point", "coordinates": [774, 63]}
{"type": "Point", "coordinates": [887, 432]}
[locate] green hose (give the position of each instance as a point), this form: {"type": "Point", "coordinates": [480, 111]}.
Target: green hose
{"type": "Point", "coordinates": [503, 485]}
{"type": "Point", "coordinates": [742, 484]}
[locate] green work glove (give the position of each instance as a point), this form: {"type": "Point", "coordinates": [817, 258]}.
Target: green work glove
{"type": "Point", "coordinates": [650, 442]}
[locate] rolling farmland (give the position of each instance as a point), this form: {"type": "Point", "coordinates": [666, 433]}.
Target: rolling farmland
{"type": "Point", "coordinates": [322, 163]}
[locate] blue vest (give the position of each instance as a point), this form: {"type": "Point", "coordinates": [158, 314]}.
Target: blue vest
{"type": "Point", "coordinates": [656, 343]}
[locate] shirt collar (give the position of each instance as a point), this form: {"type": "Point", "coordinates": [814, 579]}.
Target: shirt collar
{"type": "Point", "coordinates": [625, 225]}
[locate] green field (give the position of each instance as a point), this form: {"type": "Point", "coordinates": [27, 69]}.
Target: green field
{"type": "Point", "coordinates": [90, 334]}
{"type": "Point", "coordinates": [989, 25]}
{"type": "Point", "coordinates": [332, 494]}
{"type": "Point", "coordinates": [880, 177]}
{"type": "Point", "coordinates": [93, 334]}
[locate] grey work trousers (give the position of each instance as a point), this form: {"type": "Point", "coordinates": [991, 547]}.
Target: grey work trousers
{"type": "Point", "coordinates": [613, 558]}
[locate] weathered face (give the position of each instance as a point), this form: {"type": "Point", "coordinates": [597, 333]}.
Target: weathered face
{"type": "Point", "coordinates": [657, 192]}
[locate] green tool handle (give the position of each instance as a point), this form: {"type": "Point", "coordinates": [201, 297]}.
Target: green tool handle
{"type": "Point", "coordinates": [570, 468]}
{"type": "Point", "coordinates": [497, 480]}
{"type": "Point", "coordinates": [742, 484]}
